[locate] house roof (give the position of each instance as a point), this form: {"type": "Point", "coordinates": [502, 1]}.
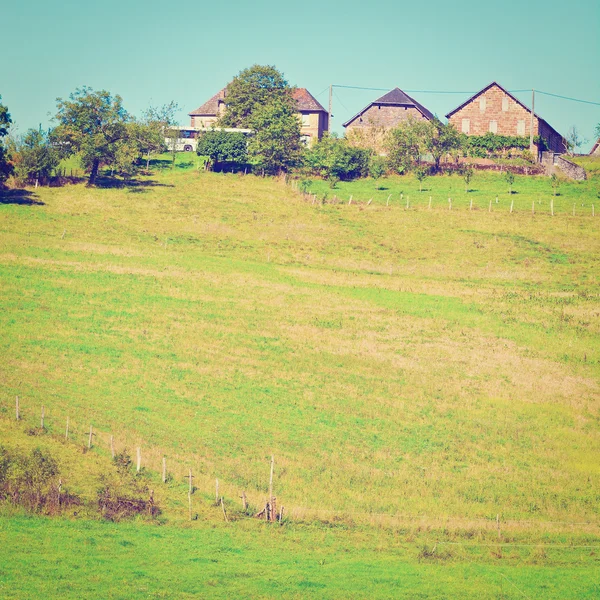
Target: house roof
{"type": "Point", "coordinates": [306, 101]}
{"type": "Point", "coordinates": [595, 146]}
{"type": "Point", "coordinates": [211, 107]}
{"type": "Point", "coordinates": [395, 97]}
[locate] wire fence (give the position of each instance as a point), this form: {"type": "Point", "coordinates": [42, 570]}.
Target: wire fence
{"type": "Point", "coordinates": [182, 468]}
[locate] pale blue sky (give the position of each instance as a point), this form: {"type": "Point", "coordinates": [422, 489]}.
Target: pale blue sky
{"type": "Point", "coordinates": [152, 52]}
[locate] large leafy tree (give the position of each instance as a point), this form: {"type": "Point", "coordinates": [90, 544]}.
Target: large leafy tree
{"type": "Point", "coordinates": [275, 145]}
{"type": "Point", "coordinates": [251, 90]}
{"type": "Point", "coordinates": [92, 123]}
{"type": "Point", "coordinates": [5, 122]}
{"type": "Point", "coordinates": [406, 143]}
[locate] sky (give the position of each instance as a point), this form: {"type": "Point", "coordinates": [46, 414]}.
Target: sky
{"type": "Point", "coordinates": [153, 52]}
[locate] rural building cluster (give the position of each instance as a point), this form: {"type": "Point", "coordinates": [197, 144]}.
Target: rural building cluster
{"type": "Point", "coordinates": [491, 110]}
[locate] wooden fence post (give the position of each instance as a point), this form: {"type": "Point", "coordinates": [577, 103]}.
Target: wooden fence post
{"type": "Point", "coordinates": [471, 204]}
{"type": "Point", "coordinates": [512, 202]}
{"type": "Point", "coordinates": [164, 470]}
{"type": "Point", "coordinates": [112, 446]}
{"type": "Point", "coordinates": [552, 206]}
{"type": "Point", "coordinates": [223, 507]}
{"type": "Point", "coordinates": [271, 479]}
{"type": "Point", "coordinates": [244, 501]}
{"type": "Point", "coordinates": [42, 420]}
{"type": "Point", "coordinates": [139, 459]}
{"type": "Point", "coordinates": [387, 202]}
{"type": "Point", "coordinates": [350, 201]}
{"type": "Point", "coordinates": [490, 206]}
{"type": "Point", "coordinates": [533, 208]}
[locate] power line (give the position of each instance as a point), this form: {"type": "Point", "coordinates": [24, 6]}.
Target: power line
{"type": "Point", "coordinates": [374, 89]}
{"type": "Point", "coordinates": [568, 98]}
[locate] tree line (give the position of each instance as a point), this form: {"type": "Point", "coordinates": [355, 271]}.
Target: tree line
{"type": "Point", "coordinates": [95, 126]}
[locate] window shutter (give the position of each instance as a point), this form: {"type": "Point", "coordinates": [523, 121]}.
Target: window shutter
{"type": "Point", "coordinates": [466, 125]}
{"type": "Point", "coordinates": [493, 126]}
{"type": "Point", "coordinates": [482, 104]}
{"type": "Point", "coordinates": [505, 104]}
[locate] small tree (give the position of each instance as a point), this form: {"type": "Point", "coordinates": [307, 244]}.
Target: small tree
{"type": "Point", "coordinates": [405, 143]}
{"type": "Point", "coordinates": [91, 123]}
{"type": "Point", "coordinates": [509, 176]}
{"type": "Point", "coordinates": [555, 183]}
{"type": "Point", "coordinates": [421, 174]}
{"type": "Point", "coordinates": [35, 156]}
{"type": "Point", "coordinates": [377, 168]}
{"type": "Point", "coordinates": [467, 174]}
{"type": "Point", "coordinates": [440, 140]}
{"type": "Point", "coordinates": [573, 141]}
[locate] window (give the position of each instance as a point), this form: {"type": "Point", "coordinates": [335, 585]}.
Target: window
{"type": "Point", "coordinates": [305, 139]}
{"type": "Point", "coordinates": [305, 120]}
{"type": "Point", "coordinates": [466, 125]}
{"type": "Point", "coordinates": [482, 104]}
{"type": "Point", "coordinates": [520, 127]}
{"type": "Point", "coordinates": [493, 126]}
{"type": "Point", "coordinates": [505, 104]}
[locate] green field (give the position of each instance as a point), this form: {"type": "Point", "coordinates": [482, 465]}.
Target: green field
{"type": "Point", "coordinates": [416, 372]}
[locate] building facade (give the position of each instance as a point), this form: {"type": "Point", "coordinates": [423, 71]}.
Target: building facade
{"type": "Point", "coordinates": [314, 119]}
{"type": "Point", "coordinates": [494, 110]}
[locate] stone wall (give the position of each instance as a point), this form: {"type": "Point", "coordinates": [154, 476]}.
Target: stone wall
{"type": "Point", "coordinates": [382, 115]}
{"type": "Point", "coordinates": [494, 105]}
{"type": "Point", "coordinates": [553, 161]}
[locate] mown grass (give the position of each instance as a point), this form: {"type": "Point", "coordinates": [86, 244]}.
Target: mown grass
{"type": "Point", "coordinates": [400, 362]}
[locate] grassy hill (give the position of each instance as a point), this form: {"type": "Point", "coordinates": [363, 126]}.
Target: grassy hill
{"type": "Point", "coordinates": [415, 372]}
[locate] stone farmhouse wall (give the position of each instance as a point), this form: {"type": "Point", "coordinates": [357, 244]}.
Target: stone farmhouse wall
{"type": "Point", "coordinates": [384, 116]}
{"type": "Point", "coordinates": [495, 111]}
{"type": "Point", "coordinates": [553, 161]}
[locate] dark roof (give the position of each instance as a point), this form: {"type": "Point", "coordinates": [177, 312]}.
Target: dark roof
{"type": "Point", "coordinates": [395, 97]}
{"type": "Point", "coordinates": [595, 147]}
{"type": "Point", "coordinates": [211, 107]}
{"type": "Point", "coordinates": [306, 101]}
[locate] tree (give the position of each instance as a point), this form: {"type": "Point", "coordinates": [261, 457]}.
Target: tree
{"type": "Point", "coordinates": [555, 183]}
{"type": "Point", "coordinates": [251, 91]}
{"type": "Point", "coordinates": [223, 146]}
{"type": "Point", "coordinates": [377, 167]}
{"type": "Point", "coordinates": [151, 130]}
{"type": "Point", "coordinates": [275, 145]}
{"type": "Point", "coordinates": [5, 164]}
{"type": "Point", "coordinates": [421, 174]}
{"type": "Point", "coordinates": [91, 123]}
{"type": "Point", "coordinates": [573, 140]}
{"type": "Point", "coordinates": [405, 143]}
{"type": "Point", "coordinates": [467, 173]}
{"type": "Point", "coordinates": [335, 159]}
{"type": "Point", "coordinates": [510, 179]}
{"type": "Point", "coordinates": [440, 140]}
{"type": "Point", "coordinates": [35, 157]}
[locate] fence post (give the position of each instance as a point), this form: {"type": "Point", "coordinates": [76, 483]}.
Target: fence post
{"type": "Point", "coordinates": [112, 446]}
{"type": "Point", "coordinates": [17, 408]}
{"type": "Point", "coordinates": [139, 459]}
{"type": "Point", "coordinates": [512, 202]}
{"type": "Point", "coordinates": [42, 420]}
{"type": "Point", "coordinates": [164, 470]}
{"type": "Point", "coordinates": [387, 202]}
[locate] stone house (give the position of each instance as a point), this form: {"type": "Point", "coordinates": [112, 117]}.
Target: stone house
{"type": "Point", "coordinates": [496, 110]}
{"type": "Point", "coordinates": [387, 112]}
{"type": "Point", "coordinates": [595, 151]}
{"type": "Point", "coordinates": [313, 117]}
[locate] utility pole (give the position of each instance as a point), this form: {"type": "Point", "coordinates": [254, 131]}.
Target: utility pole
{"type": "Point", "coordinates": [330, 103]}
{"type": "Point", "coordinates": [531, 123]}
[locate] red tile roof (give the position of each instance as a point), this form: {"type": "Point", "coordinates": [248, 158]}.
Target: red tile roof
{"type": "Point", "coordinates": [306, 101]}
